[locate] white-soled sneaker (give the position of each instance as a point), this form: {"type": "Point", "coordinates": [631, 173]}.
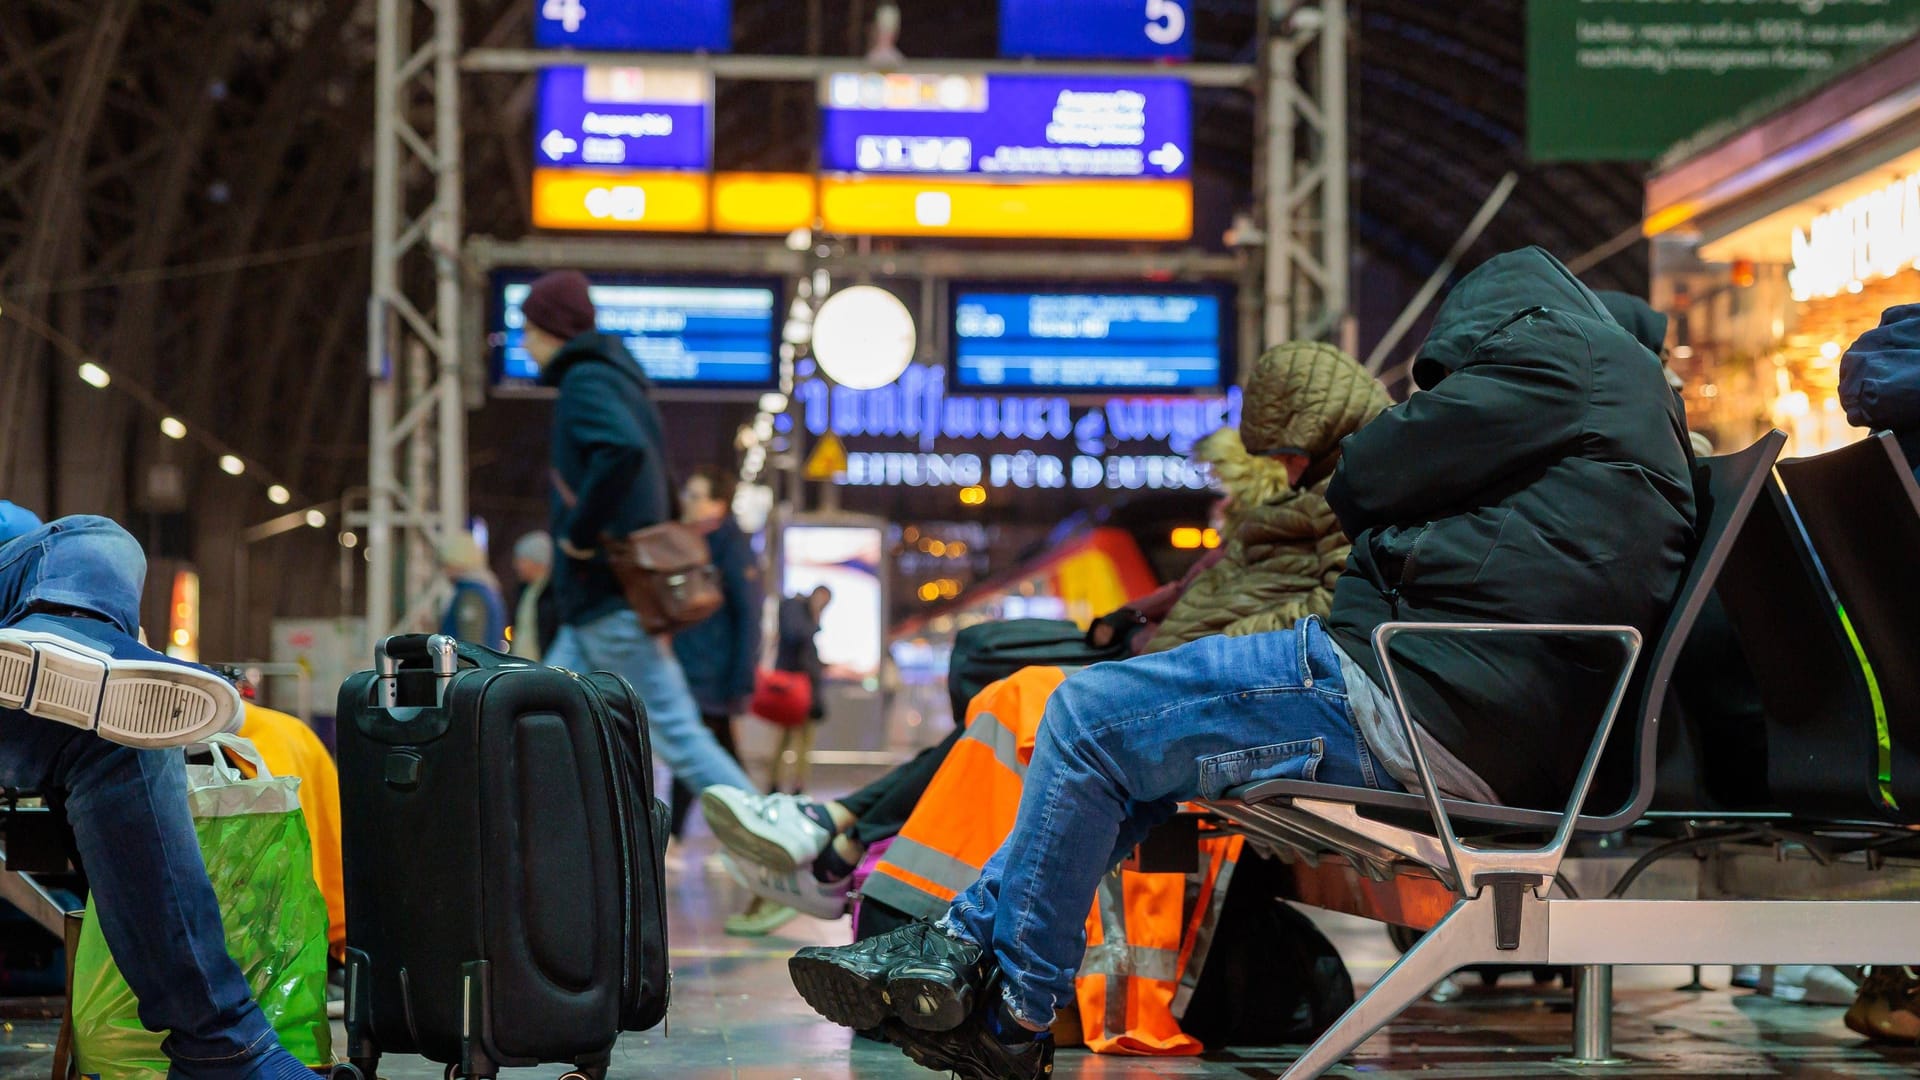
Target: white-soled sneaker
{"type": "Point", "coordinates": [796, 889]}
{"type": "Point", "coordinates": [85, 676]}
{"type": "Point", "coordinates": [770, 830]}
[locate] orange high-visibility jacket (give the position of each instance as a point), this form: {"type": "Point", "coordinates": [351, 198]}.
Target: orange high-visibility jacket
{"type": "Point", "coordinates": [1147, 934]}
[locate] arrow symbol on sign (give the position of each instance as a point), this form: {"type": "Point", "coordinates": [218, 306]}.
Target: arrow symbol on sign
{"type": "Point", "coordinates": [1168, 157]}
{"type": "Point", "coordinates": [557, 145]}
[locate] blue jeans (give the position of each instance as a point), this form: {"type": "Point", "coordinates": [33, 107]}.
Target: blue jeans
{"type": "Point", "coordinates": [1120, 746]}
{"type": "Point", "coordinates": [128, 809]}
{"type": "Point", "coordinates": [616, 643]}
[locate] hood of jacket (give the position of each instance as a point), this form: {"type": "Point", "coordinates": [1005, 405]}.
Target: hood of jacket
{"type": "Point", "coordinates": [1637, 317]}
{"type": "Point", "coordinates": [1303, 397]}
{"type": "Point", "coordinates": [1499, 291]}
{"type": "Point", "coordinates": [593, 347]}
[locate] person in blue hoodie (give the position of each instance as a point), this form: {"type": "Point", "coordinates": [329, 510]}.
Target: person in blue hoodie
{"type": "Point", "coordinates": [609, 477]}
{"type": "Point", "coordinates": [94, 717]}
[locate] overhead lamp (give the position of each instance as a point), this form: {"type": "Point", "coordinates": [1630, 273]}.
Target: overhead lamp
{"type": "Point", "coordinates": [316, 519]}
{"type": "Point", "coordinates": [231, 465]}
{"type": "Point", "coordinates": [773, 402]}
{"type": "Point", "coordinates": [278, 496]}
{"type": "Point", "coordinates": [94, 375]}
{"type": "Point", "coordinates": [863, 337]}
{"type": "Point", "coordinates": [172, 429]}
{"type": "Point", "coordinates": [349, 540]}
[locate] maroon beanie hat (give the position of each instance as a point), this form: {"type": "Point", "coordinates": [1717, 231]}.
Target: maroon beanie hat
{"type": "Point", "coordinates": [558, 303]}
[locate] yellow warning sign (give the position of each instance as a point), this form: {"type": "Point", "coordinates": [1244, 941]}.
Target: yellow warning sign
{"type": "Point", "coordinates": [828, 460]}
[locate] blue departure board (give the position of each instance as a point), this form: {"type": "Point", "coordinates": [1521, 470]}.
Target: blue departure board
{"type": "Point", "coordinates": [1097, 29]}
{"type": "Point", "coordinates": [1089, 340]}
{"type": "Point", "coordinates": [1013, 126]}
{"type": "Point", "coordinates": [636, 25]}
{"type": "Point", "coordinates": [711, 333]}
{"type": "Point", "coordinates": [622, 118]}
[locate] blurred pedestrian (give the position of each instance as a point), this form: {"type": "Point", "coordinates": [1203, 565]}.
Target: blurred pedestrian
{"type": "Point", "coordinates": [719, 654]}
{"type": "Point", "coordinates": [796, 650]}
{"type": "Point", "coordinates": [609, 472]}
{"type": "Point", "coordinates": [477, 613]}
{"type": "Point", "coordinates": [536, 611]}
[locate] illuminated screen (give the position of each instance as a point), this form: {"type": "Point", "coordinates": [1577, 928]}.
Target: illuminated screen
{"type": "Point", "coordinates": [1162, 340]}
{"type": "Point", "coordinates": [622, 118]}
{"type": "Point", "coordinates": [683, 332]}
{"type": "Point", "coordinates": [639, 25]}
{"type": "Point", "coordinates": [1011, 126]}
{"type": "Point", "coordinates": [1097, 29]}
{"type": "Point", "coordinates": [846, 559]}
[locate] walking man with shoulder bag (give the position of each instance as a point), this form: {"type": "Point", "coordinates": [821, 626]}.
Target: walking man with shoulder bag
{"type": "Point", "coordinates": [610, 480]}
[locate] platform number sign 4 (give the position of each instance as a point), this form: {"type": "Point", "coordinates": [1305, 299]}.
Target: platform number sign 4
{"type": "Point", "coordinates": [1166, 21]}
{"type": "Point", "coordinates": [570, 13]}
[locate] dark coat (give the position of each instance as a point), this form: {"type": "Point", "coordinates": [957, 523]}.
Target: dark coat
{"type": "Point", "coordinates": [1542, 478]}
{"type": "Point", "coordinates": [795, 649]}
{"type": "Point", "coordinates": [609, 452]}
{"type": "Point", "coordinates": [1880, 379]}
{"type": "Point", "coordinates": [719, 654]}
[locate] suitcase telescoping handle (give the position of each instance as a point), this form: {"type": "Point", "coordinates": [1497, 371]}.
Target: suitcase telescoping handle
{"type": "Point", "coordinates": [391, 652]}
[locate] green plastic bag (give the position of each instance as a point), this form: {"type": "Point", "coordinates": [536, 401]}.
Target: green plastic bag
{"type": "Point", "coordinates": [254, 841]}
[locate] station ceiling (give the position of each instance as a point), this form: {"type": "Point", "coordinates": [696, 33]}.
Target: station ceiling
{"type": "Point", "coordinates": [185, 184]}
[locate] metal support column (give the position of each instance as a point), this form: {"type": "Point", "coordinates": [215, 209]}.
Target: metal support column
{"type": "Point", "coordinates": [414, 314]}
{"type": "Point", "coordinates": [1592, 1017]}
{"type": "Point", "coordinates": [1306, 205]}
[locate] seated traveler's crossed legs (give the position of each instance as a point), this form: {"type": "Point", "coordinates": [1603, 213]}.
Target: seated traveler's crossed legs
{"type": "Point", "coordinates": [70, 591]}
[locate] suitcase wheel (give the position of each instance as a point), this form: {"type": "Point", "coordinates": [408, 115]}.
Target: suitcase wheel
{"type": "Point", "coordinates": [347, 1071]}
{"type": "Point", "coordinates": [586, 1072]}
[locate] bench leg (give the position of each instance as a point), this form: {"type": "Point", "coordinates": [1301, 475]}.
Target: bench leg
{"type": "Point", "coordinates": [1459, 939]}
{"type": "Point", "coordinates": [1592, 1018]}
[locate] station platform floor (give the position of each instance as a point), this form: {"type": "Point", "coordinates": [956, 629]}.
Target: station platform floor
{"type": "Point", "coordinates": [735, 1016]}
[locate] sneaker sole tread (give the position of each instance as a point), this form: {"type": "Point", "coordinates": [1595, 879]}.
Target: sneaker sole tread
{"type": "Point", "coordinates": [841, 996]}
{"type": "Point", "coordinates": [929, 1004]}
{"type": "Point", "coordinates": [132, 702]}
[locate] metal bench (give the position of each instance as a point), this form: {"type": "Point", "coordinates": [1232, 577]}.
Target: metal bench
{"type": "Point", "coordinates": [1481, 876]}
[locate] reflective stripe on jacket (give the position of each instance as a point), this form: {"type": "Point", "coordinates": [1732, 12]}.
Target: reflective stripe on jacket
{"type": "Point", "coordinates": [1147, 934]}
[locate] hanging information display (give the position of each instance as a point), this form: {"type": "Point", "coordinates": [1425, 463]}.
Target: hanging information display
{"type": "Point", "coordinates": [1087, 340]}
{"type": "Point", "coordinates": [683, 332]}
{"type": "Point", "coordinates": [637, 25]}
{"type": "Point", "coordinates": [1005, 125]}
{"type": "Point", "coordinates": [623, 117]}
{"type": "Point", "coordinates": [1096, 29]}
{"type": "Point", "coordinates": [1040, 156]}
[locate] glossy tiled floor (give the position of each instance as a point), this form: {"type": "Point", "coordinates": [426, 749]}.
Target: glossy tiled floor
{"type": "Point", "coordinates": [736, 1016]}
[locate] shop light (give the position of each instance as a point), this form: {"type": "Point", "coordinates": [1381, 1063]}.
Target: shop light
{"type": "Point", "coordinates": [1683, 352]}
{"type": "Point", "coordinates": [316, 519]}
{"type": "Point", "coordinates": [351, 540]}
{"type": "Point", "coordinates": [973, 495]}
{"type": "Point", "coordinates": [929, 591]}
{"type": "Point", "coordinates": [773, 402]}
{"type": "Point", "coordinates": [172, 428]}
{"type": "Point", "coordinates": [278, 496]}
{"type": "Point", "coordinates": [1830, 350]}
{"type": "Point", "coordinates": [1210, 538]}
{"type": "Point", "coordinates": [1186, 538]}
{"type": "Point", "coordinates": [937, 549]}
{"type": "Point", "coordinates": [94, 375]}
{"type": "Point", "coordinates": [231, 465]}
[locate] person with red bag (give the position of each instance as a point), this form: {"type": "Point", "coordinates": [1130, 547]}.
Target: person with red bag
{"type": "Point", "coordinates": [789, 695]}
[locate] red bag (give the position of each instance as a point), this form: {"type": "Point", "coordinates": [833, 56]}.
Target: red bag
{"type": "Point", "coordinates": [783, 698]}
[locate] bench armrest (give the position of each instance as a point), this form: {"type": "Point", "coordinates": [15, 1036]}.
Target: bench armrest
{"type": "Point", "coordinates": [1468, 862]}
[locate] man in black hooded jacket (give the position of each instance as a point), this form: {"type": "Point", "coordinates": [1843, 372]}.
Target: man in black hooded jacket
{"type": "Point", "coordinates": [1541, 477]}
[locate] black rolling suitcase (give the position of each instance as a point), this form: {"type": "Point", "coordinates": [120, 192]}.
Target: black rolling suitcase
{"type": "Point", "coordinates": [503, 853]}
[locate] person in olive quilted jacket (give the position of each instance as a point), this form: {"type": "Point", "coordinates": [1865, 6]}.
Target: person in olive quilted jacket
{"type": "Point", "coordinates": [1283, 546]}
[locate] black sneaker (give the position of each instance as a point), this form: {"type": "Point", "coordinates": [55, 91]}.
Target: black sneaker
{"type": "Point", "coordinates": [972, 1052]}
{"type": "Point", "coordinates": [860, 985]}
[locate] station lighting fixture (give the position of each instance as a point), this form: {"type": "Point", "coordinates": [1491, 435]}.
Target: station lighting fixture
{"type": "Point", "coordinates": [172, 428]}
{"type": "Point", "coordinates": [231, 465]}
{"type": "Point", "coordinates": [349, 540]}
{"type": "Point", "coordinates": [973, 495]}
{"type": "Point", "coordinates": [94, 375]}
{"type": "Point", "coordinates": [773, 402]}
{"type": "Point", "coordinates": [316, 519]}
{"type": "Point", "coordinates": [278, 496]}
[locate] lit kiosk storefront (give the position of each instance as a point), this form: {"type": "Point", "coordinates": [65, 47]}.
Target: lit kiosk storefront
{"type": "Point", "coordinates": [1775, 245]}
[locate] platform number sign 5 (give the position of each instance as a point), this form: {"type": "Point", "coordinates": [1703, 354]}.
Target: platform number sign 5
{"type": "Point", "coordinates": [1166, 21]}
{"type": "Point", "coordinates": [570, 13]}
